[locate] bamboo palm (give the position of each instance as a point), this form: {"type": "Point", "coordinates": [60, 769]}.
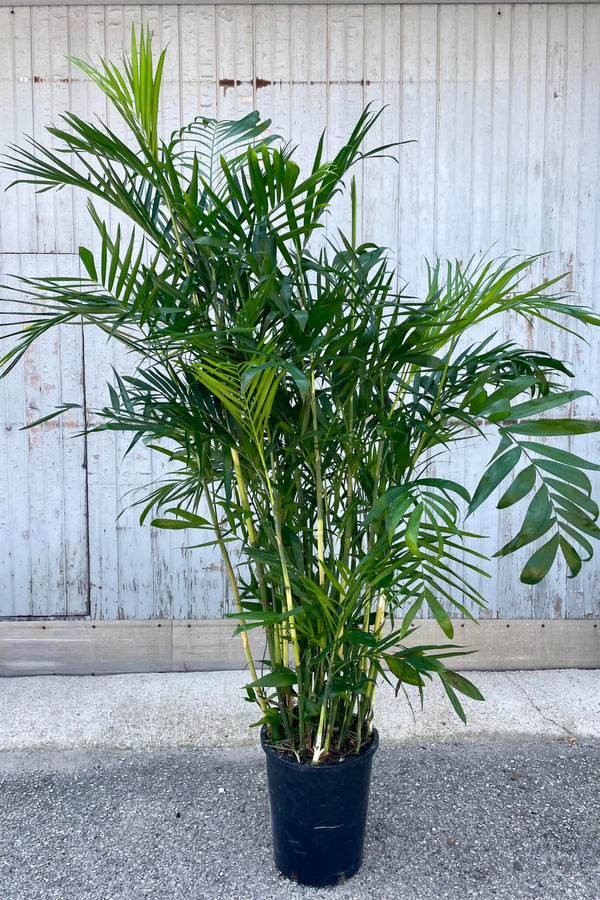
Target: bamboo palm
{"type": "Point", "coordinates": [303, 399]}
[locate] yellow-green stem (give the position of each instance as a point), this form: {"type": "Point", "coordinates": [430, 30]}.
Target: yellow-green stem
{"type": "Point", "coordinates": [237, 467]}
{"type": "Point", "coordinates": [253, 537]}
{"type": "Point", "coordinates": [328, 735]}
{"type": "Point", "coordinates": [365, 627]}
{"type": "Point", "coordinates": [234, 589]}
{"type": "Point", "coordinates": [377, 632]}
{"type": "Point", "coordinates": [286, 575]}
{"type": "Point", "coordinates": [318, 482]}
{"type": "Point", "coordinates": [318, 749]}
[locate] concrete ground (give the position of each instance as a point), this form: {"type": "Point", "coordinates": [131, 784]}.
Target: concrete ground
{"type": "Point", "coordinates": [207, 709]}
{"type": "Point", "coordinates": [124, 787]}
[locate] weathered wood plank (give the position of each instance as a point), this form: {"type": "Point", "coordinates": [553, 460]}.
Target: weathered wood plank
{"type": "Point", "coordinates": [22, 235]}
{"type": "Point", "coordinates": [198, 69]}
{"type": "Point", "coordinates": [42, 481]}
{"type": "Point", "coordinates": [86, 3]}
{"type": "Point", "coordinates": [103, 648]}
{"type": "Point", "coordinates": [418, 233]}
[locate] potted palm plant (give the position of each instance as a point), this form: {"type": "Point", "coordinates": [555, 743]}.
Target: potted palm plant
{"type": "Point", "coordinates": [299, 399]}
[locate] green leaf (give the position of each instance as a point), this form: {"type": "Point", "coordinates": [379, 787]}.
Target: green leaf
{"type": "Point", "coordinates": [497, 405]}
{"type": "Point", "coordinates": [281, 678]}
{"type": "Point", "coordinates": [55, 412]}
{"type": "Point", "coordinates": [497, 411]}
{"type": "Point", "coordinates": [383, 502]}
{"type": "Point", "coordinates": [439, 613]}
{"type": "Point", "coordinates": [87, 258]}
{"type": "Point", "coordinates": [572, 557]}
{"type": "Point", "coordinates": [340, 684]}
{"type": "Point", "coordinates": [567, 473]}
{"type": "Point", "coordinates": [411, 535]}
{"type": "Point", "coordinates": [419, 649]}
{"type": "Point", "coordinates": [271, 717]}
{"type": "Point", "coordinates": [554, 427]}
{"type": "Point", "coordinates": [495, 474]}
{"type": "Point", "coordinates": [396, 514]}
{"type": "Point", "coordinates": [426, 361]}
{"type": "Point", "coordinates": [356, 636]}
{"type": "Point", "coordinates": [171, 524]}
{"type": "Point", "coordinates": [561, 456]}
{"type": "Point", "coordinates": [520, 487]}
{"type": "Point", "coordinates": [538, 565]}
{"type": "Point", "coordinates": [579, 521]}
{"type": "Point", "coordinates": [579, 538]}
{"type": "Point", "coordinates": [462, 684]}
{"type": "Point", "coordinates": [193, 518]}
{"type": "Point", "coordinates": [575, 497]}
{"type": "Point", "coordinates": [505, 443]}
{"type": "Point", "coordinates": [445, 485]}
{"type": "Point", "coordinates": [454, 700]}
{"type": "Point", "coordinates": [536, 523]}
{"type": "Point", "coordinates": [299, 377]}
{"type": "Point", "coordinates": [542, 404]}
{"type": "Point", "coordinates": [261, 618]}
{"type": "Point", "coordinates": [403, 671]}
{"type": "Point", "coordinates": [410, 615]}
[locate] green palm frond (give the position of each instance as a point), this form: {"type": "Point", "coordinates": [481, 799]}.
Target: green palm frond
{"type": "Point", "coordinates": [206, 143]}
{"type": "Point", "coordinates": [135, 91]}
{"type": "Point", "coordinates": [247, 390]}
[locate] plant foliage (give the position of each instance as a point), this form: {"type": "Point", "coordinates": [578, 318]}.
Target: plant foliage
{"type": "Point", "coordinates": [298, 394]}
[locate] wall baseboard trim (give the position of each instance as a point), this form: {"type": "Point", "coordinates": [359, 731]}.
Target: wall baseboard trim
{"type": "Point", "coordinates": [204, 645]}
{"type": "Point", "coordinates": [44, 3]}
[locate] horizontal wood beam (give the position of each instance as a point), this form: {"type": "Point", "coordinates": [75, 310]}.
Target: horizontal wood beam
{"type": "Point", "coordinates": [111, 647]}
{"type": "Point", "coordinates": [290, 3]}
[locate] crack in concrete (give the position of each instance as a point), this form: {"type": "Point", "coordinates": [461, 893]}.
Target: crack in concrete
{"type": "Point", "coordinates": [536, 707]}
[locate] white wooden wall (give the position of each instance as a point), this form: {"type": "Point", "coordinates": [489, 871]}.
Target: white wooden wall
{"type": "Point", "coordinates": [503, 105]}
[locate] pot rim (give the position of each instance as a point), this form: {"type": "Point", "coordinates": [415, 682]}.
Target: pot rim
{"type": "Point", "coordinates": [347, 762]}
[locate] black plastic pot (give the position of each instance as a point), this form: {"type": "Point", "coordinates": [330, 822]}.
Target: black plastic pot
{"type": "Point", "coordinates": [318, 815]}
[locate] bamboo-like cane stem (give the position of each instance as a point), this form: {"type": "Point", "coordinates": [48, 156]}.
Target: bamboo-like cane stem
{"type": "Point", "coordinates": [377, 632]}
{"type": "Point", "coordinates": [318, 483]}
{"type": "Point", "coordinates": [234, 589]}
{"type": "Point", "coordinates": [253, 538]}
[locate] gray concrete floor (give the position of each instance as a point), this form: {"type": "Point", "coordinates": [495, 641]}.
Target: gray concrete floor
{"type": "Point", "coordinates": [123, 787]}
{"type": "Point", "coordinates": [207, 709]}
{"type": "Point", "coordinates": [516, 819]}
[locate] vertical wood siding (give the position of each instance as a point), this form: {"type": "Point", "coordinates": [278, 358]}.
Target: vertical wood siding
{"type": "Point", "coordinates": [502, 106]}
